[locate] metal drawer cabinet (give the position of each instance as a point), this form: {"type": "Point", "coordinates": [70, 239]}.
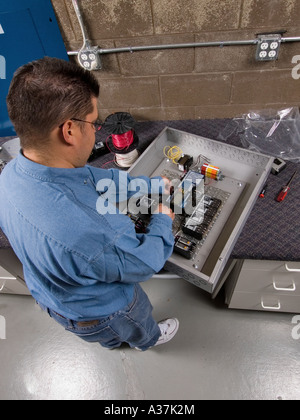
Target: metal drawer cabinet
{"type": "Point", "coordinates": [12, 285]}
{"type": "Point", "coordinates": [11, 274]}
{"type": "Point", "coordinates": [264, 286]}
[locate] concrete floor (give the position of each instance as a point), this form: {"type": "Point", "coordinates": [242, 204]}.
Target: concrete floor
{"type": "Point", "coordinates": [217, 354]}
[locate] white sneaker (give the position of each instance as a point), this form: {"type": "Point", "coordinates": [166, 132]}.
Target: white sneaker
{"type": "Point", "coordinates": [168, 328]}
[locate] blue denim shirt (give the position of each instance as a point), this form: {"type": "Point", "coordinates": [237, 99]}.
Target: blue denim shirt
{"type": "Point", "coordinates": [78, 262]}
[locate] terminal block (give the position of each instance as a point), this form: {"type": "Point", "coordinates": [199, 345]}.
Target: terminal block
{"type": "Point", "coordinates": [198, 224]}
{"type": "Point", "coordinates": [184, 247]}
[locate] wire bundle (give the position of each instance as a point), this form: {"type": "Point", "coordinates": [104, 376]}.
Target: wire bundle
{"type": "Point", "coordinates": [173, 153]}
{"type": "Point", "coordinates": [123, 141]}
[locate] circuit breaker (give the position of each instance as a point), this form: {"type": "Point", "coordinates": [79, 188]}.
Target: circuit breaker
{"type": "Point", "coordinates": [28, 31]}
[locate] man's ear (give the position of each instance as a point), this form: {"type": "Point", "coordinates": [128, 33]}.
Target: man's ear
{"type": "Point", "coordinates": [69, 131]}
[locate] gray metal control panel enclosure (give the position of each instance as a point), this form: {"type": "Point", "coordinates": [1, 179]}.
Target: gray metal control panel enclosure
{"type": "Point", "coordinates": [245, 174]}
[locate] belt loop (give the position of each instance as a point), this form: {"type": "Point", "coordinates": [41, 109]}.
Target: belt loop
{"type": "Point", "coordinates": [71, 324]}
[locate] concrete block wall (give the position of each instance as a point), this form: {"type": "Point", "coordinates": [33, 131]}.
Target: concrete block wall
{"type": "Point", "coordinates": [192, 83]}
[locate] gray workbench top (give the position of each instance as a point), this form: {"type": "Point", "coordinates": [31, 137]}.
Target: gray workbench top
{"type": "Point", "coordinates": [272, 231]}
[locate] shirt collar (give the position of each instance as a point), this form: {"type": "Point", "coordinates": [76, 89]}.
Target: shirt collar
{"type": "Point", "coordinates": [46, 173]}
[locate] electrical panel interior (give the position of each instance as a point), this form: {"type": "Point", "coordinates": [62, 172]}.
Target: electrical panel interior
{"type": "Point", "coordinates": [214, 187]}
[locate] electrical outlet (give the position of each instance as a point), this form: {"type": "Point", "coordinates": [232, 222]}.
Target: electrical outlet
{"type": "Point", "coordinates": [268, 47]}
{"type": "Point", "coordinates": [89, 58]}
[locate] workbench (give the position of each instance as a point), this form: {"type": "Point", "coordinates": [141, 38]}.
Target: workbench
{"type": "Point", "coordinates": [269, 242]}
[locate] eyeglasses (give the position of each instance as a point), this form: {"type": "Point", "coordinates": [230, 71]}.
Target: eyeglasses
{"type": "Point", "coordinates": [97, 124]}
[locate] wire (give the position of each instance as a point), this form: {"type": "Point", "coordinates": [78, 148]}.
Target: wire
{"type": "Point", "coordinates": [125, 161]}
{"type": "Point", "coordinates": [122, 143]}
{"type": "Point", "coordinates": [173, 153]}
{"type": "Point", "coordinates": [198, 163]}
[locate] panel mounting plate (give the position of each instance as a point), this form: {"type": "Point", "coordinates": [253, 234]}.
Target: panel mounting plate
{"type": "Point", "coordinates": [245, 173]}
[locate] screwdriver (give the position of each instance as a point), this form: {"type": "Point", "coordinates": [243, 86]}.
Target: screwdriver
{"type": "Point", "coordinates": [263, 192]}
{"type": "Point", "coordinates": [281, 196]}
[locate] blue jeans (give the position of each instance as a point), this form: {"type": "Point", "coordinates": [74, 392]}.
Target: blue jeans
{"type": "Point", "coordinates": [133, 325]}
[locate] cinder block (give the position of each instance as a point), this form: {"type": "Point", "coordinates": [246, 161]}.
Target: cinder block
{"type": "Point", "coordinates": [195, 90]}
{"type": "Point", "coordinates": [227, 58]}
{"type": "Point", "coordinates": [63, 20]}
{"type": "Point", "coordinates": [145, 63]}
{"type": "Point", "coordinates": [163, 114]}
{"type": "Point", "coordinates": [105, 112]}
{"type": "Point", "coordinates": [114, 18]}
{"type": "Point", "coordinates": [130, 92]}
{"type": "Point", "coordinates": [178, 16]}
{"type": "Point", "coordinates": [278, 14]}
{"type": "Point", "coordinates": [210, 82]}
{"type": "Point", "coordinates": [275, 86]}
{"type": "Point", "coordinates": [288, 50]}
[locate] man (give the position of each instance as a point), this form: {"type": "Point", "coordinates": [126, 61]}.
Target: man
{"type": "Point", "coordinates": [83, 267]}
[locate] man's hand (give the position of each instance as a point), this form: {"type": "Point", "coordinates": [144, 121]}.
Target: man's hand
{"type": "Point", "coordinates": [166, 210]}
{"type": "Point", "coordinates": [168, 185]}
{"type": "Point", "coordinates": [162, 208]}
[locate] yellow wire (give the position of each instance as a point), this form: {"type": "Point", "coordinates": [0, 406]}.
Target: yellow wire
{"type": "Point", "coordinates": [173, 153]}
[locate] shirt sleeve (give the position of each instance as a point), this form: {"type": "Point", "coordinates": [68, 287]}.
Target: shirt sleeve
{"type": "Point", "coordinates": [132, 257]}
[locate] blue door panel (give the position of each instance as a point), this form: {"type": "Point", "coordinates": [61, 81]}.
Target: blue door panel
{"type": "Point", "coordinates": [28, 31]}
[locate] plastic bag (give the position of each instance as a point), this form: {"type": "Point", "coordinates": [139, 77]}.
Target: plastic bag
{"type": "Point", "coordinates": [274, 133]}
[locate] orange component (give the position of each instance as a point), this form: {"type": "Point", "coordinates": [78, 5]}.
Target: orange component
{"type": "Point", "coordinates": [210, 171]}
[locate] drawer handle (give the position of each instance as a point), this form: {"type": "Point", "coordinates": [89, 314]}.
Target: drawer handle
{"type": "Point", "coordinates": [292, 270]}
{"type": "Point", "coordinates": [285, 289]}
{"type": "Point", "coordinates": [277, 307]}
{"type": "Point", "coordinates": [3, 285]}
